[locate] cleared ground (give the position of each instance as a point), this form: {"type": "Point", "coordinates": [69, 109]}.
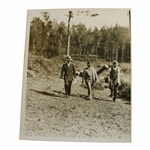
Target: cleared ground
{"type": "Point", "coordinates": [49, 114]}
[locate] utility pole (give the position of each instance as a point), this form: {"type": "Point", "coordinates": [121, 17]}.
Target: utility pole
{"type": "Point", "coordinates": [70, 16]}
{"type": "Point", "coordinates": [129, 21]}
{"type": "Point", "coordinates": [130, 28]}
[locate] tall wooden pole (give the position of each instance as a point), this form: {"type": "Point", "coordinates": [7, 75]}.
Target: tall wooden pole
{"type": "Point", "coordinates": [68, 48]}
{"type": "Point", "coordinates": [130, 20]}
{"type": "Point", "coordinates": [130, 29]}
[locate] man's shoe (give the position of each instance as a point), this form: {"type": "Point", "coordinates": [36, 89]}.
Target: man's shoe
{"type": "Point", "coordinates": [114, 100]}
{"type": "Point", "coordinates": [90, 97]}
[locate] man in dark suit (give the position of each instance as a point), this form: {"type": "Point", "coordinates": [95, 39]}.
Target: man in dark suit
{"type": "Point", "coordinates": [68, 73]}
{"type": "Point", "coordinates": [114, 76]}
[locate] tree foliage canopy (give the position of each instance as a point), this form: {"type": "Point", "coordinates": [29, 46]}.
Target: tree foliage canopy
{"type": "Point", "coordinates": [48, 38]}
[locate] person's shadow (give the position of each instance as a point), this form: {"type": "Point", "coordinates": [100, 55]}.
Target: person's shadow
{"type": "Point", "coordinates": [61, 94]}
{"type": "Point", "coordinates": [46, 93]}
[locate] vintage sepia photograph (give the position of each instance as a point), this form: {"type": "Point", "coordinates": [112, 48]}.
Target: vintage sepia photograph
{"type": "Point", "coordinates": [77, 75]}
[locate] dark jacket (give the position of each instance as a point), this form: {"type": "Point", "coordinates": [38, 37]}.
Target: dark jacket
{"type": "Point", "coordinates": [114, 73]}
{"type": "Point", "coordinates": [68, 73]}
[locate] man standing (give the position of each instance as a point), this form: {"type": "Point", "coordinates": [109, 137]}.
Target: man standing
{"type": "Point", "coordinates": [68, 73]}
{"type": "Point", "coordinates": [90, 77]}
{"type": "Point", "coordinates": [114, 75]}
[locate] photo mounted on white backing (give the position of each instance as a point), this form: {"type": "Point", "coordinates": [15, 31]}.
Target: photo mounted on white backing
{"type": "Point", "coordinates": [77, 76]}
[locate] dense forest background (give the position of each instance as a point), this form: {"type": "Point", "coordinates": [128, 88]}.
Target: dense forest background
{"type": "Point", "coordinates": [49, 38]}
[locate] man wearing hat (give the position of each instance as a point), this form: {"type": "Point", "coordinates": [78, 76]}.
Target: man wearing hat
{"type": "Point", "coordinates": [114, 75]}
{"type": "Point", "coordinates": [68, 73]}
{"type": "Point", "coordinates": [90, 77]}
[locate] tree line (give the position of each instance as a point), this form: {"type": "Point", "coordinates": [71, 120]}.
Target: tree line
{"type": "Point", "coordinates": [49, 38]}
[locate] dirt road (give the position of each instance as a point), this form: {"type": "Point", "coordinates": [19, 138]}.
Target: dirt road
{"type": "Point", "coordinates": [50, 114]}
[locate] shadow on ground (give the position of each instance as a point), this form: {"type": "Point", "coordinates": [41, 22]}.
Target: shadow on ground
{"type": "Point", "coordinates": [61, 94]}
{"type": "Point", "coordinates": [46, 93]}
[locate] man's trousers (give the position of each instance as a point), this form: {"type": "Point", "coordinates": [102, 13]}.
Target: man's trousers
{"type": "Point", "coordinates": [68, 87]}
{"type": "Point", "coordinates": [89, 84]}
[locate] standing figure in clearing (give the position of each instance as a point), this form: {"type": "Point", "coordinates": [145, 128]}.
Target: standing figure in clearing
{"type": "Point", "coordinates": [68, 73]}
{"type": "Point", "coordinates": [90, 77]}
{"type": "Point", "coordinates": [114, 76]}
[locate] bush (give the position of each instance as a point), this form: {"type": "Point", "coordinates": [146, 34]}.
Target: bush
{"type": "Point", "coordinates": [126, 92]}
{"type": "Point", "coordinates": [126, 70]}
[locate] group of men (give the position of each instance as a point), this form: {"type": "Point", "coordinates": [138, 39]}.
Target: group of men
{"type": "Point", "coordinates": [68, 74]}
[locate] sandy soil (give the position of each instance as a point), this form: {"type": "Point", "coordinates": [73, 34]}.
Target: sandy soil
{"type": "Point", "coordinates": [49, 113]}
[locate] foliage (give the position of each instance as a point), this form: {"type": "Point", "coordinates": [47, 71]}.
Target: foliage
{"type": "Point", "coordinates": [49, 38]}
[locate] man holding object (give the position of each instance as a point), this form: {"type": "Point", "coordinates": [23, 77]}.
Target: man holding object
{"type": "Point", "coordinates": [114, 76]}
{"type": "Point", "coordinates": [68, 73]}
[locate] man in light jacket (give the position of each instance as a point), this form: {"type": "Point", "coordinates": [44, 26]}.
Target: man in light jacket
{"type": "Point", "coordinates": [90, 77]}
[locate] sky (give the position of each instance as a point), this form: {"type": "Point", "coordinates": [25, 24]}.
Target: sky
{"type": "Point", "coordinates": [108, 17]}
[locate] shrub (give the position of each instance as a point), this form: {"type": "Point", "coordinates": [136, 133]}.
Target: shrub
{"type": "Point", "coordinates": [126, 92]}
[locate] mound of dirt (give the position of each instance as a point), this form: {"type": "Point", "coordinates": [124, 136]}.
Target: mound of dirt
{"type": "Point", "coordinates": [42, 67]}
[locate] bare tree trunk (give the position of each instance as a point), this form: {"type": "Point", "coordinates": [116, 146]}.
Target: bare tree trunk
{"type": "Point", "coordinates": [104, 53]}
{"type": "Point", "coordinates": [122, 53]}
{"type": "Point", "coordinates": [112, 57]}
{"type": "Point", "coordinates": [96, 51]}
{"type": "Point", "coordinates": [108, 55]}
{"type": "Point", "coordinates": [116, 53]}
{"type": "Point", "coordinates": [80, 52]}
